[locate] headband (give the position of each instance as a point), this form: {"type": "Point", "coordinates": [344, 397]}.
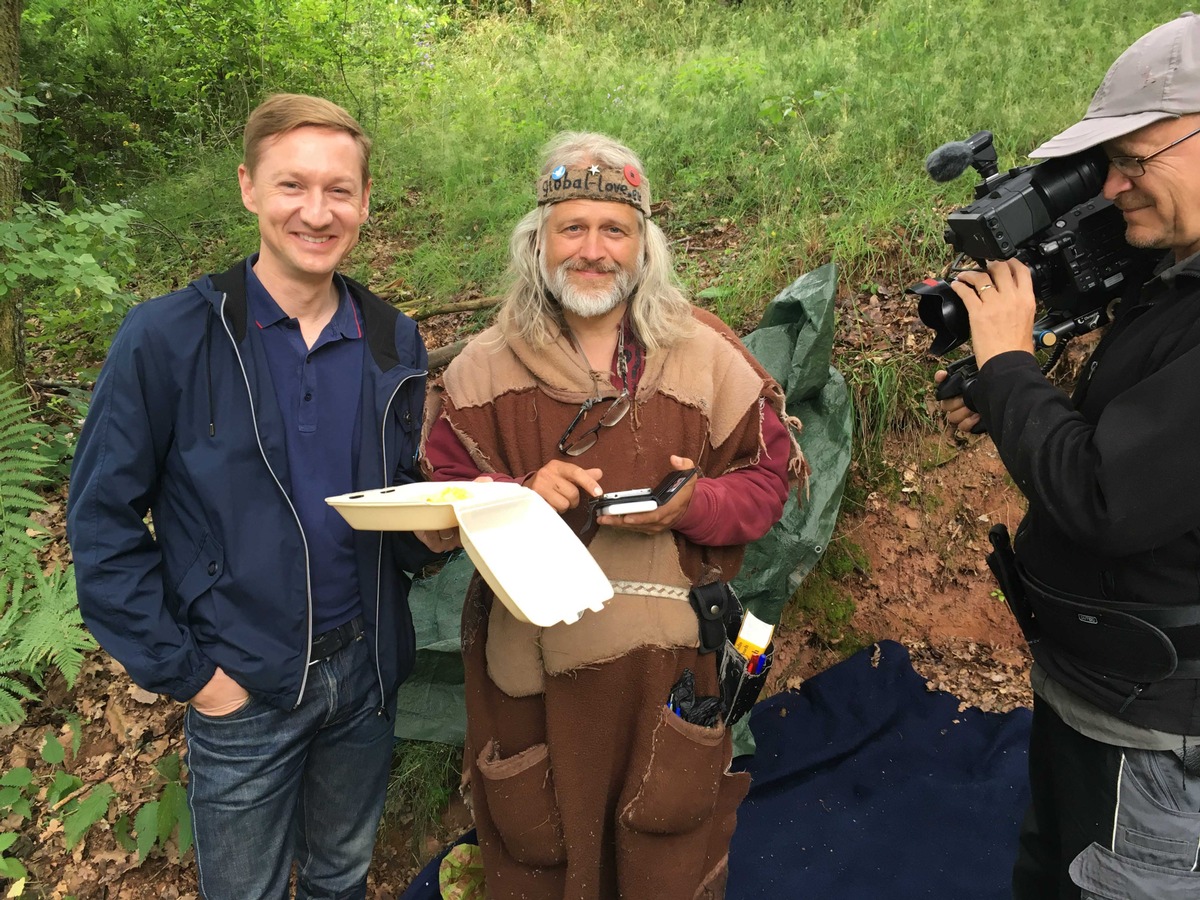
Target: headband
{"type": "Point", "coordinates": [594, 182]}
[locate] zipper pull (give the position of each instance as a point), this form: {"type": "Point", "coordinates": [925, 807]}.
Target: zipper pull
{"type": "Point", "coordinates": [1133, 695]}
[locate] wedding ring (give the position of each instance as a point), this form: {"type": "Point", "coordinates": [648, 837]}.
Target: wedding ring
{"type": "Point", "coordinates": [983, 287]}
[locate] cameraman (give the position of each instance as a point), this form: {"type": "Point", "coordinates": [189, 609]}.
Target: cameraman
{"type": "Point", "coordinates": [1108, 556]}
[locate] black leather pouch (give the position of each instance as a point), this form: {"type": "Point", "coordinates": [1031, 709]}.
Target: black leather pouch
{"type": "Point", "coordinates": [717, 610]}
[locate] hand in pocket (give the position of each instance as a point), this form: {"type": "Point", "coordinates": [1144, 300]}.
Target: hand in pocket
{"type": "Point", "coordinates": [220, 697]}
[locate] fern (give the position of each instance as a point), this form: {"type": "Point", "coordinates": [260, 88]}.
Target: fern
{"type": "Point", "coordinates": [40, 625]}
{"type": "Point", "coordinates": [12, 693]}
{"type": "Point", "coordinates": [12, 690]}
{"type": "Point", "coordinates": [52, 631]}
{"type": "Point", "coordinates": [19, 464]}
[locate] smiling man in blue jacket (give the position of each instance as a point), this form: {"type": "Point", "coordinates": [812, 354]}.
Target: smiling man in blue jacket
{"type": "Point", "coordinates": [229, 410]}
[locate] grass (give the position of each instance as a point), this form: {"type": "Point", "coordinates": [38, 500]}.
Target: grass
{"type": "Point", "coordinates": [805, 132]}
{"type": "Point", "coordinates": [888, 391]}
{"type": "Point", "coordinates": [423, 778]}
{"type": "Point", "coordinates": [808, 130]}
{"type": "Point", "coordinates": [823, 604]}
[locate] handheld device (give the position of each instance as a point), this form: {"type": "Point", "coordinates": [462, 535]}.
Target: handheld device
{"type": "Point", "coordinates": [623, 503]}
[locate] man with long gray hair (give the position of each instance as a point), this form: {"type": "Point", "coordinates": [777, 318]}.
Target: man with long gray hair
{"type": "Point", "coordinates": [589, 778]}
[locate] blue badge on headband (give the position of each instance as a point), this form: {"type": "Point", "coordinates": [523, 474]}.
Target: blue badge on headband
{"type": "Point", "coordinates": [558, 173]}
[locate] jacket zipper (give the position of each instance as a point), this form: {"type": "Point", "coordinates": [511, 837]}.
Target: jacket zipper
{"type": "Point", "coordinates": [379, 556]}
{"type": "Point", "coordinates": [287, 499]}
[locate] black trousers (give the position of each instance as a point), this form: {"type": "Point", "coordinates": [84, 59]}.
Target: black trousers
{"type": "Point", "coordinates": [1072, 780]}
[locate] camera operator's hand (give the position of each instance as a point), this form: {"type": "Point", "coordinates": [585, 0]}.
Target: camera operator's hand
{"type": "Point", "coordinates": [955, 408]}
{"type": "Point", "coordinates": [1001, 307]}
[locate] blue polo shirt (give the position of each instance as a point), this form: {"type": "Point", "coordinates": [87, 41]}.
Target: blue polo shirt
{"type": "Point", "coordinates": [318, 391]}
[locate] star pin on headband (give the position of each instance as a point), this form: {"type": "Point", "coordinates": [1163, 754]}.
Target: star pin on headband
{"type": "Point", "coordinates": [593, 182]}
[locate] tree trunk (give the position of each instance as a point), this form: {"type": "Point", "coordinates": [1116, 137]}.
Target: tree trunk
{"type": "Point", "coordinates": [12, 351]}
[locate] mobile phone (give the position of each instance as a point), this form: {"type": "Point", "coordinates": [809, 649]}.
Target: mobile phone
{"type": "Point", "coordinates": [623, 503]}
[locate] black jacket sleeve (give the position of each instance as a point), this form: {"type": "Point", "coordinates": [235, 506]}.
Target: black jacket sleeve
{"type": "Point", "coordinates": [1122, 485]}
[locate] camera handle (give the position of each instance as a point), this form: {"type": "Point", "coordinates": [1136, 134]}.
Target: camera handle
{"type": "Point", "coordinates": [960, 375]}
{"type": "Point", "coordinates": [1050, 333]}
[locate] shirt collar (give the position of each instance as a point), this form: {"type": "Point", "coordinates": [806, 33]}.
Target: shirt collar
{"type": "Point", "coordinates": [265, 312]}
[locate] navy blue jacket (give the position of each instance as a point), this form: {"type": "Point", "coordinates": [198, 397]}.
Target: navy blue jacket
{"type": "Point", "coordinates": [184, 423]}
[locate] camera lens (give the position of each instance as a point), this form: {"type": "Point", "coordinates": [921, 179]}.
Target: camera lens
{"type": "Point", "coordinates": [942, 310]}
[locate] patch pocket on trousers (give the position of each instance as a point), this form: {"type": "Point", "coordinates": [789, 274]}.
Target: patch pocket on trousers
{"type": "Point", "coordinates": [679, 788]}
{"type": "Point", "coordinates": [1158, 846]}
{"type": "Point", "coordinates": [522, 804]}
{"type": "Point", "coordinates": [1101, 874]}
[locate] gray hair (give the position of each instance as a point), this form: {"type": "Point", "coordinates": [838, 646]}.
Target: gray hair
{"type": "Point", "coordinates": [659, 309]}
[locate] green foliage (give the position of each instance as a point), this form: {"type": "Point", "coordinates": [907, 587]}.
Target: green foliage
{"type": "Point", "coordinates": [14, 792]}
{"type": "Point", "coordinates": [60, 417]}
{"type": "Point", "coordinates": [824, 605]}
{"type": "Point", "coordinates": [888, 390]}
{"type": "Point", "coordinates": [40, 625]}
{"type": "Point", "coordinates": [57, 796]}
{"type": "Point", "coordinates": [130, 85]}
{"type": "Point", "coordinates": [52, 632]}
{"type": "Point", "coordinates": [423, 778]}
{"type": "Point", "coordinates": [86, 813]}
{"type": "Point", "coordinates": [19, 465]}
{"type": "Point", "coordinates": [158, 820]}
{"type": "Point", "coordinates": [53, 752]}
{"type": "Point", "coordinates": [13, 109]}
{"type": "Point", "coordinates": [72, 267]}
{"type": "Point", "coordinates": [39, 628]}
{"type": "Point", "coordinates": [9, 866]}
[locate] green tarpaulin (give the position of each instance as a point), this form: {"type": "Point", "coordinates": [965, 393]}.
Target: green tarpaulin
{"type": "Point", "coordinates": [794, 342]}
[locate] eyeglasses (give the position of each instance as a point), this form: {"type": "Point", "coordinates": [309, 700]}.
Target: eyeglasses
{"type": "Point", "coordinates": [1133, 166]}
{"type": "Point", "coordinates": [584, 442]}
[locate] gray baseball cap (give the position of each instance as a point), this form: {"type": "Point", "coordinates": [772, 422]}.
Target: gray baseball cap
{"type": "Point", "coordinates": [1157, 78]}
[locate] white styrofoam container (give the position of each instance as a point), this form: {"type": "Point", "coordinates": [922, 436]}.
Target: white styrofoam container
{"type": "Point", "coordinates": [528, 555]}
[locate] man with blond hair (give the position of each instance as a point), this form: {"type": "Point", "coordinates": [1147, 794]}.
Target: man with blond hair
{"type": "Point", "coordinates": [230, 410]}
{"type": "Point", "coordinates": [592, 777]}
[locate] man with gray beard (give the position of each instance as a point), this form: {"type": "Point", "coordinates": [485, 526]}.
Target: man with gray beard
{"type": "Point", "coordinates": [588, 781]}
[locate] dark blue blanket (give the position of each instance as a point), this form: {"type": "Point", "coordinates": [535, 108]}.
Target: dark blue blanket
{"type": "Point", "coordinates": [868, 785]}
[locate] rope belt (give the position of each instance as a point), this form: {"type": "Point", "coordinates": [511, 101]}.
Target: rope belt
{"type": "Point", "coordinates": [649, 589]}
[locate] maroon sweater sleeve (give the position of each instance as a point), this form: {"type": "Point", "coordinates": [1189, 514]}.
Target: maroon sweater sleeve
{"type": "Point", "coordinates": [449, 460]}
{"type": "Point", "coordinates": [742, 505]}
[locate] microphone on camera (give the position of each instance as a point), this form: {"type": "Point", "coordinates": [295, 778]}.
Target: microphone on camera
{"type": "Point", "coordinates": [949, 161]}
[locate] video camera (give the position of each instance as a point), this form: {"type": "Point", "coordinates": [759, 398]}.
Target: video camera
{"type": "Point", "coordinates": [1051, 217]}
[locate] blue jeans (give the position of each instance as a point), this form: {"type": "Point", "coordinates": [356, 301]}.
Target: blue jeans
{"type": "Point", "coordinates": [268, 786]}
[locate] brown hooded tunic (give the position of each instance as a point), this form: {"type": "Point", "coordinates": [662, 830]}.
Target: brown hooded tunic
{"type": "Point", "coordinates": [585, 785]}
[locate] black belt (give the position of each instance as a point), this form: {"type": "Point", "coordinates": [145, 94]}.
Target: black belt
{"type": "Point", "coordinates": [330, 642]}
{"type": "Point", "coordinates": [1136, 641]}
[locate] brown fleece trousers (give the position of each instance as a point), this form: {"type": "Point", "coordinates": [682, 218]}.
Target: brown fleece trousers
{"type": "Point", "coordinates": [594, 790]}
